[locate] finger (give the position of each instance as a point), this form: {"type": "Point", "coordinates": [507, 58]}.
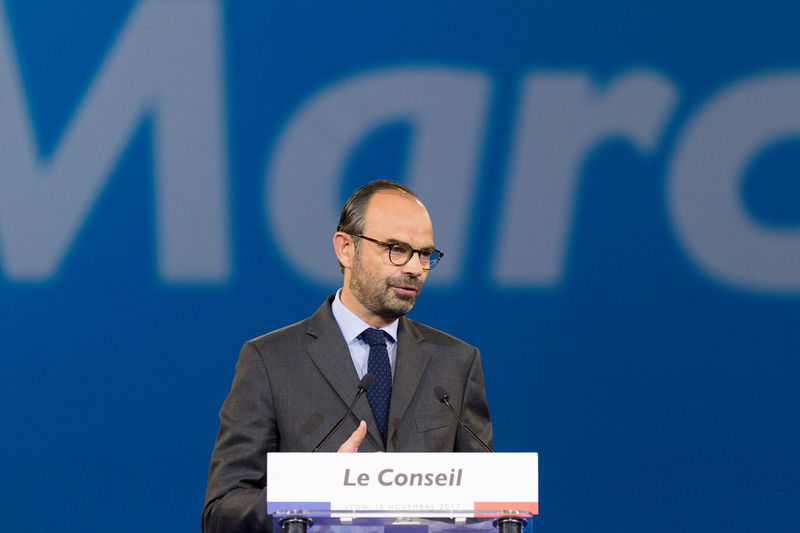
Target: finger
{"type": "Point", "coordinates": [354, 441]}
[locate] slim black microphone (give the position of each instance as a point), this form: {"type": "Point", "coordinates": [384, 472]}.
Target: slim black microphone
{"type": "Point", "coordinates": [442, 396]}
{"type": "Point", "coordinates": [363, 385]}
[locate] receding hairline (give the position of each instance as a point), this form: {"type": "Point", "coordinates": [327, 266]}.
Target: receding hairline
{"type": "Point", "coordinates": [396, 192]}
{"type": "Point", "coordinates": [352, 216]}
{"type": "Point", "coordinates": [399, 194]}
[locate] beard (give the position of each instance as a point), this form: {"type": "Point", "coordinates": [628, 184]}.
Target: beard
{"type": "Point", "coordinates": [376, 294]}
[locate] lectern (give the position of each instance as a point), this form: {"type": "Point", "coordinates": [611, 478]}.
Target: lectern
{"type": "Point", "coordinates": [402, 492]}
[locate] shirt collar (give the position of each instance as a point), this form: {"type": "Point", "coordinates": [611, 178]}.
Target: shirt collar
{"type": "Point", "coordinates": [351, 325]}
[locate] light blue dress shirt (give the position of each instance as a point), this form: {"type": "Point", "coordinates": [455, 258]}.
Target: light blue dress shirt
{"type": "Point", "coordinates": [351, 327]}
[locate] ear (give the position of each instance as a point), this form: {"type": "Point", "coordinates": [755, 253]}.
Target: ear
{"type": "Point", "coordinates": [344, 247]}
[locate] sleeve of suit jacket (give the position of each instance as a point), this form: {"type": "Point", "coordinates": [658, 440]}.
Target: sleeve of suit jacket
{"type": "Point", "coordinates": [474, 410]}
{"type": "Point", "coordinates": [236, 493]}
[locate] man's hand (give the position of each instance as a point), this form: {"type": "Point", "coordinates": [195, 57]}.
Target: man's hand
{"type": "Point", "coordinates": [354, 441]}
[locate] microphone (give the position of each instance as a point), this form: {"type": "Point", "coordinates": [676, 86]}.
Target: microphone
{"type": "Point", "coordinates": [363, 385]}
{"type": "Point", "coordinates": [442, 396]}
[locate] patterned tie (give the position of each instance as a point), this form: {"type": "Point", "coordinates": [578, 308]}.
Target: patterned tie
{"type": "Point", "coordinates": [379, 366]}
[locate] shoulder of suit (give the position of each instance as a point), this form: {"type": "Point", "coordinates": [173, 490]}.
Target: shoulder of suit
{"type": "Point", "coordinates": [291, 331]}
{"type": "Point", "coordinates": [435, 336]}
{"type": "Point", "coordinates": [323, 318]}
{"type": "Point", "coordinates": [319, 321]}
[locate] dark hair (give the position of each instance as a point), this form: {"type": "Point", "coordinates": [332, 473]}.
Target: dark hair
{"type": "Point", "coordinates": [351, 221]}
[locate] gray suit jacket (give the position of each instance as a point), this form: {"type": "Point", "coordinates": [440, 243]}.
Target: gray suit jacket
{"type": "Point", "coordinates": [292, 385]}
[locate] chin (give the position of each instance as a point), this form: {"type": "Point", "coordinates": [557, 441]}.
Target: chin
{"type": "Point", "coordinates": [402, 310]}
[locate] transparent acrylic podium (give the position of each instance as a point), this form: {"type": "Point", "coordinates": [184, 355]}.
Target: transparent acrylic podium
{"type": "Point", "coordinates": [415, 521]}
{"type": "Point", "coordinates": [402, 492]}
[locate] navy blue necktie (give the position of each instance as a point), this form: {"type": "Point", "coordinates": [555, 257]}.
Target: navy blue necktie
{"type": "Point", "coordinates": [381, 369]}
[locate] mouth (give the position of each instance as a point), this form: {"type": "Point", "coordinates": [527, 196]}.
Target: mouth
{"type": "Point", "coordinates": [406, 290]}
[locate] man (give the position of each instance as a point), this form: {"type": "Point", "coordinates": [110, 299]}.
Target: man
{"type": "Point", "coordinates": [292, 385]}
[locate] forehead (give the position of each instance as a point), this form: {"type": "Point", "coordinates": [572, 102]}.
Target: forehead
{"type": "Point", "coordinates": [395, 215]}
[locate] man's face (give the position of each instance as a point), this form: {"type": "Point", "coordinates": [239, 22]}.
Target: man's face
{"type": "Point", "coordinates": [385, 290]}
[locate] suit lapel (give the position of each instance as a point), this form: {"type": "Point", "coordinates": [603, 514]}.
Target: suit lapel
{"type": "Point", "coordinates": [332, 357]}
{"type": "Point", "coordinates": [411, 363]}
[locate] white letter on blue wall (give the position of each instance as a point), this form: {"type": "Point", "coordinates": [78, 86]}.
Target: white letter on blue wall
{"type": "Point", "coordinates": [562, 118]}
{"type": "Point", "coordinates": [166, 65]}
{"type": "Point", "coordinates": [705, 184]}
{"type": "Point", "coordinates": [446, 109]}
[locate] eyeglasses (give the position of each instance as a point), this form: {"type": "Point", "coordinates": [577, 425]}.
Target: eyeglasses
{"type": "Point", "coordinates": [401, 253]}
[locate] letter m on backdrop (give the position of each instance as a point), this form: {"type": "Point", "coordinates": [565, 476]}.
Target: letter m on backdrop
{"type": "Point", "coordinates": [165, 66]}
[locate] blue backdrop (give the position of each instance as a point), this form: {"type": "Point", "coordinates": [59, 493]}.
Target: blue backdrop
{"type": "Point", "coordinates": [615, 186]}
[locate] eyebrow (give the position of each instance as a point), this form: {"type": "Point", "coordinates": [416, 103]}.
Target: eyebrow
{"type": "Point", "coordinates": [397, 241]}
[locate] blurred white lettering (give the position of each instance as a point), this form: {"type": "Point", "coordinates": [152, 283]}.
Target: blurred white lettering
{"type": "Point", "coordinates": [562, 118]}
{"type": "Point", "coordinates": [44, 202]}
{"type": "Point", "coordinates": [167, 66]}
{"type": "Point", "coordinates": [710, 161]}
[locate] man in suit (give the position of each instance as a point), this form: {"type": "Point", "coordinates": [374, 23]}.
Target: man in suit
{"type": "Point", "coordinates": [292, 385]}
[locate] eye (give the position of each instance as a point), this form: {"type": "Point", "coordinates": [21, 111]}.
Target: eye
{"type": "Point", "coordinates": [401, 249]}
{"type": "Point", "coordinates": [425, 254]}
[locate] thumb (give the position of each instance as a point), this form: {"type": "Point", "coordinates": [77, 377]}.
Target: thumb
{"type": "Point", "coordinates": [354, 441]}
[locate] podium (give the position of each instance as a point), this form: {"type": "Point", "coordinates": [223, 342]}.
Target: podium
{"type": "Point", "coordinates": [402, 492]}
{"type": "Point", "coordinates": [508, 521]}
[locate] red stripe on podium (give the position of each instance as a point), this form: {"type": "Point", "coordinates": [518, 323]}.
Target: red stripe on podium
{"type": "Point", "coordinates": [531, 507]}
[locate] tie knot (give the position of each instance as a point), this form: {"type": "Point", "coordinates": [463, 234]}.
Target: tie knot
{"type": "Point", "coordinates": [374, 336]}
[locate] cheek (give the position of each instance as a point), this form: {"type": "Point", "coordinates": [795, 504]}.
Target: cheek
{"type": "Point", "coordinates": [372, 268]}
{"type": "Point", "coordinates": [388, 273]}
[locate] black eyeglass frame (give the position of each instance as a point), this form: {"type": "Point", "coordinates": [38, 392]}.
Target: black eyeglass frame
{"type": "Point", "coordinates": [390, 246]}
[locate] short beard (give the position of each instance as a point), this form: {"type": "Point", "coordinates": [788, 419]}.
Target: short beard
{"type": "Point", "coordinates": [376, 294]}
